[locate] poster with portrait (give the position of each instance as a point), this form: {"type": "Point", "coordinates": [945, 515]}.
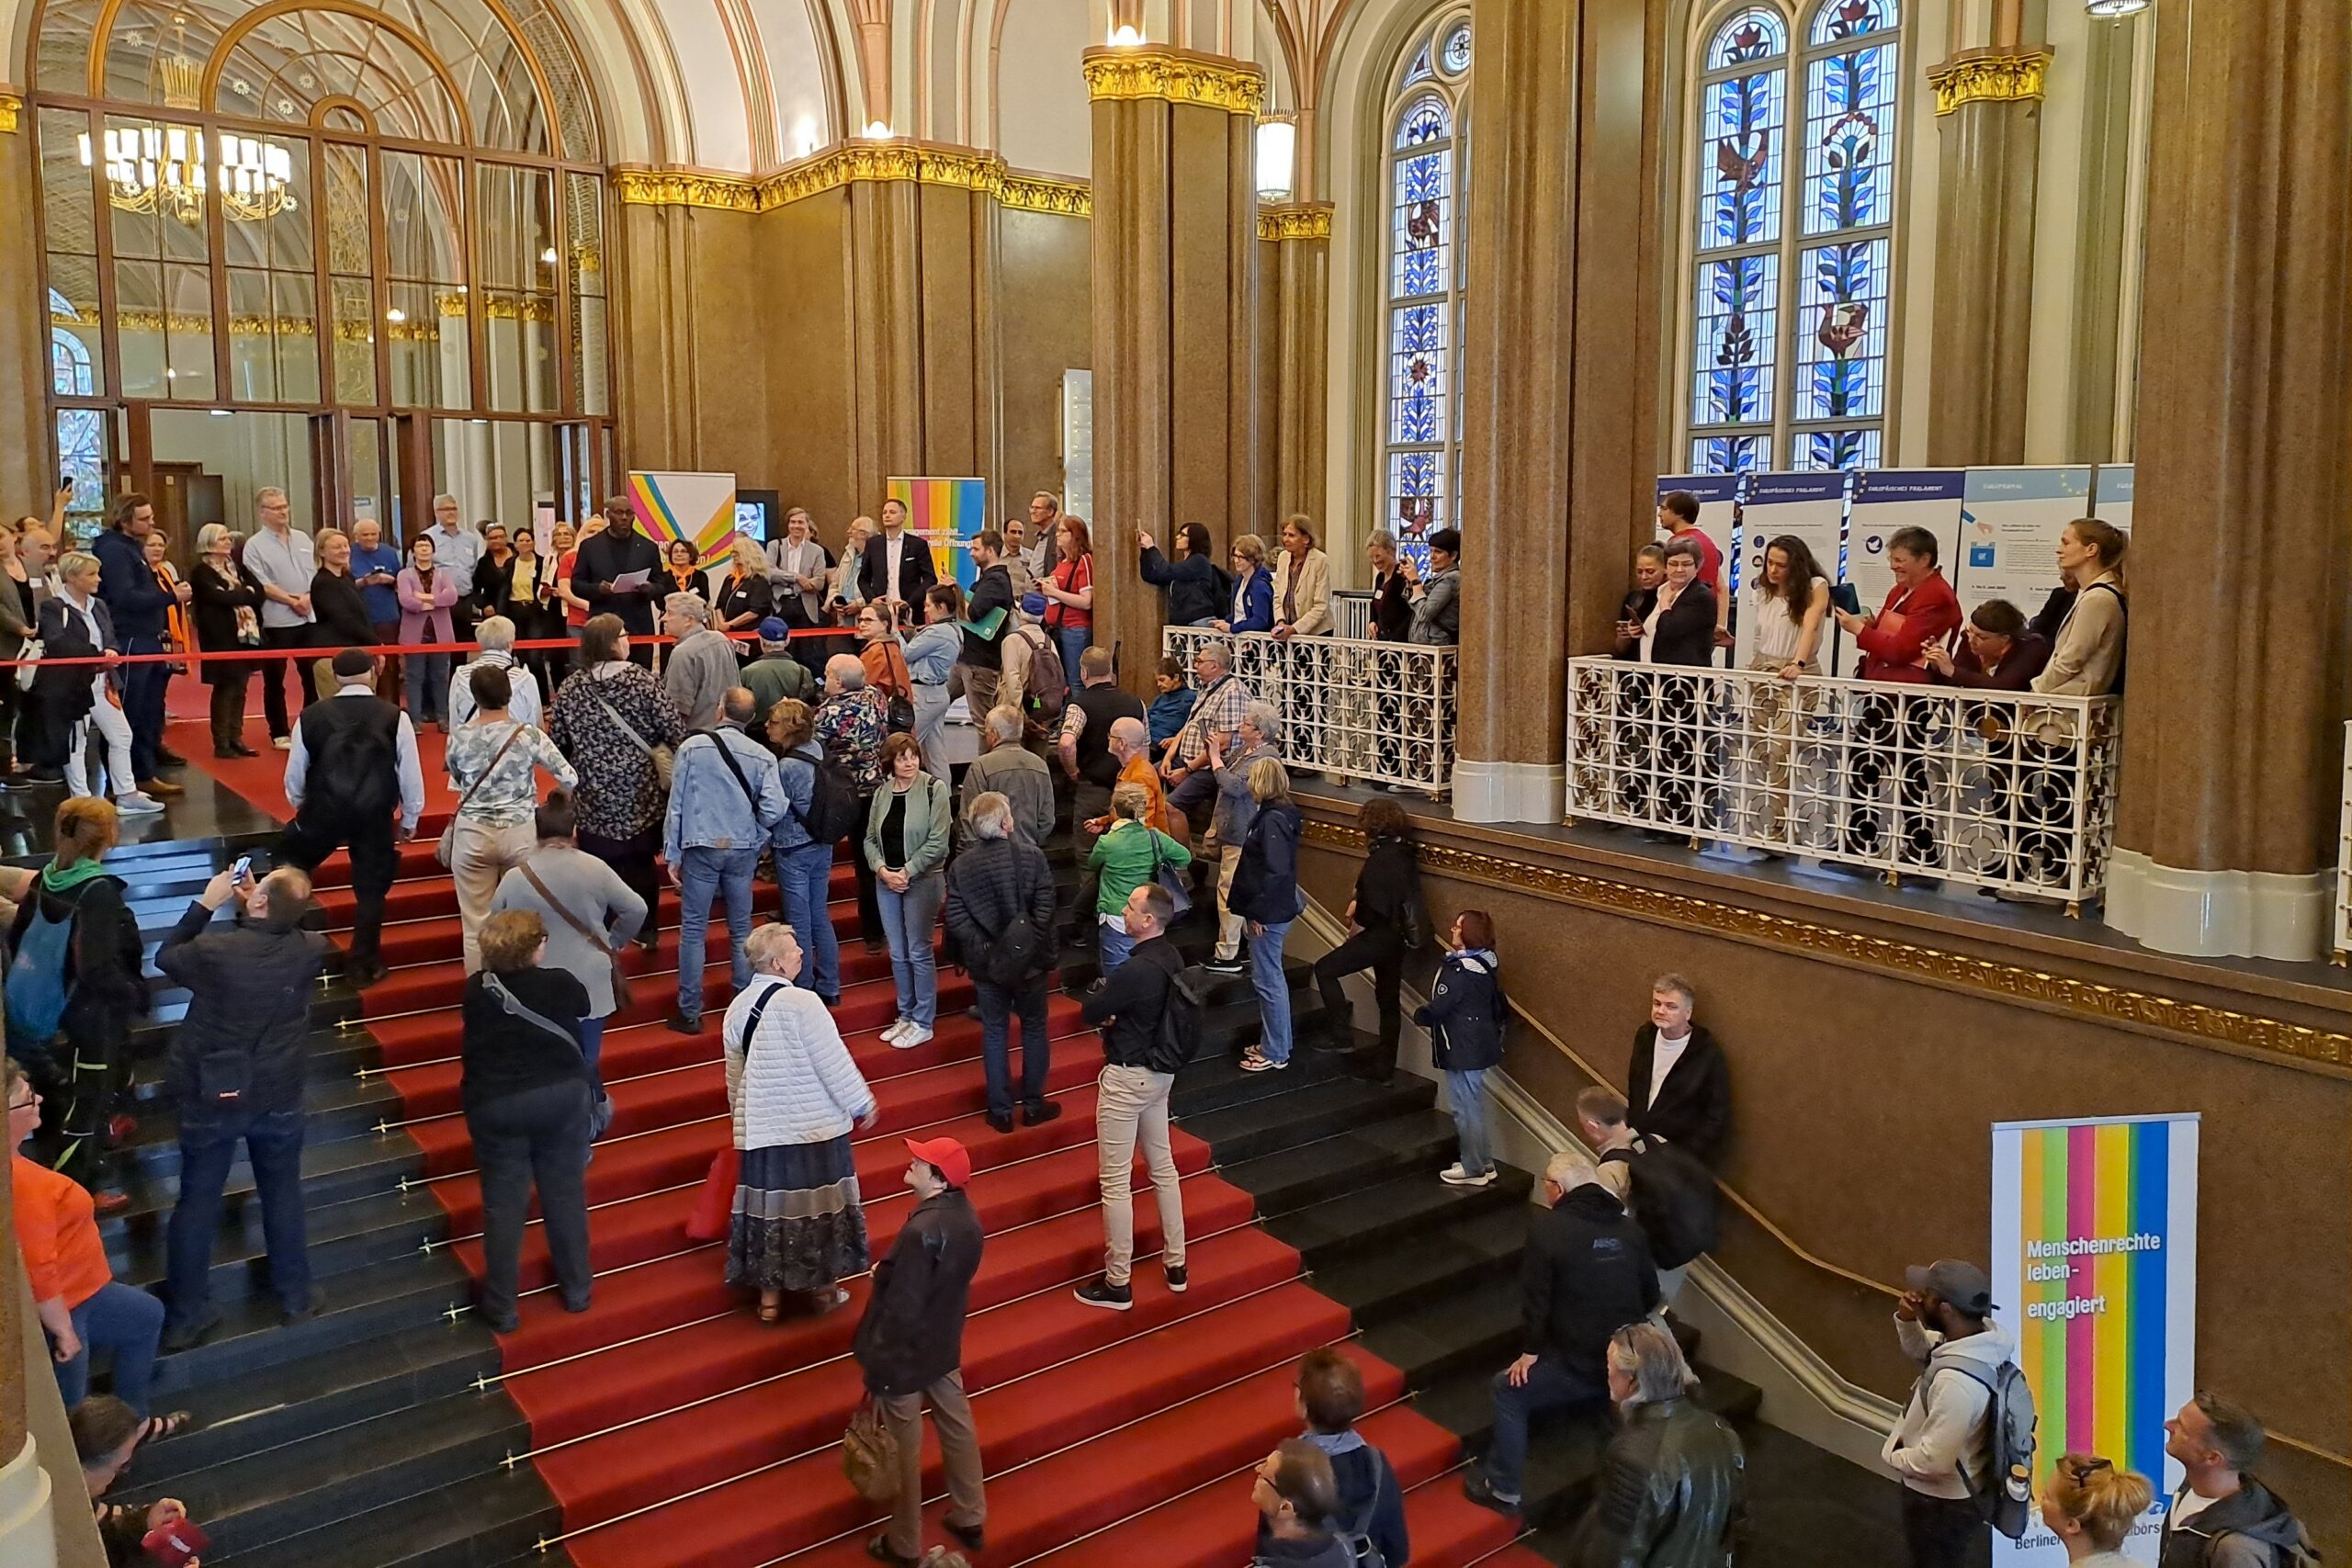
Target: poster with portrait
{"type": "Point", "coordinates": [1811, 508]}
{"type": "Point", "coordinates": [2010, 519]}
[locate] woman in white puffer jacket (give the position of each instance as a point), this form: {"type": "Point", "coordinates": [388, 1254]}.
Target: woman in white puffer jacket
{"type": "Point", "coordinates": [795, 1095]}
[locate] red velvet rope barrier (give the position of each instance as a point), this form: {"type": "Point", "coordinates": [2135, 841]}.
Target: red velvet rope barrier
{"type": "Point", "coordinates": [392, 650]}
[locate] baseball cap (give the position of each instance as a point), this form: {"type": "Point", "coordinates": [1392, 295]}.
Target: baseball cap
{"type": "Point", "coordinates": [946, 1155]}
{"type": "Point", "coordinates": [1962, 1284]}
{"type": "Point", "coordinates": [773, 629]}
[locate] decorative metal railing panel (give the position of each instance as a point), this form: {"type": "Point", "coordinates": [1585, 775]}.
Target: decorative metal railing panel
{"type": "Point", "coordinates": [2011, 791]}
{"type": "Point", "coordinates": [1360, 709]}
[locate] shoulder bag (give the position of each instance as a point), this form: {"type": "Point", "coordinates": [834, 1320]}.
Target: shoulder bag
{"type": "Point", "coordinates": [595, 939]}
{"type": "Point", "coordinates": [600, 1104]}
{"type": "Point", "coordinates": [662, 758]}
{"type": "Point", "coordinates": [1170, 877]}
{"type": "Point", "coordinates": [446, 850]}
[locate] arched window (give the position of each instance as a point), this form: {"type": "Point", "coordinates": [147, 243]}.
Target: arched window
{"type": "Point", "coordinates": [1791, 241]}
{"type": "Point", "coordinates": [1425, 149]}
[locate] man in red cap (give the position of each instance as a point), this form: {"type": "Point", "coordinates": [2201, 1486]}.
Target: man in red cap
{"type": "Point", "coordinates": [910, 1344]}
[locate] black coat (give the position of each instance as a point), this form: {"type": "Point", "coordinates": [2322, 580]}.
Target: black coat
{"type": "Point", "coordinates": [749, 595]}
{"type": "Point", "coordinates": [1391, 608]}
{"type": "Point", "coordinates": [1694, 1108]}
{"type": "Point", "coordinates": [608, 556]}
{"type": "Point", "coordinates": [1587, 1274]}
{"type": "Point", "coordinates": [102, 966]}
{"type": "Point", "coordinates": [341, 607]}
{"type": "Point", "coordinates": [1265, 885]}
{"type": "Point", "coordinates": [2251, 1525]}
{"type": "Point", "coordinates": [1465, 1012]}
{"type": "Point", "coordinates": [916, 574]}
{"type": "Point", "coordinates": [216, 603]}
{"type": "Point", "coordinates": [1197, 589]}
{"type": "Point", "coordinates": [245, 1043]}
{"type": "Point", "coordinates": [1389, 884]}
{"type": "Point", "coordinates": [64, 690]}
{"type": "Point", "coordinates": [1685, 632]}
{"type": "Point", "coordinates": [990, 885]}
{"type": "Point", "coordinates": [913, 1333]}
{"type": "Point", "coordinates": [991, 590]}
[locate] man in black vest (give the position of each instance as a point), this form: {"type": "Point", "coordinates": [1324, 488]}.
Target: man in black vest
{"type": "Point", "coordinates": [990, 609]}
{"type": "Point", "coordinates": [1086, 755]}
{"type": "Point", "coordinates": [353, 758]}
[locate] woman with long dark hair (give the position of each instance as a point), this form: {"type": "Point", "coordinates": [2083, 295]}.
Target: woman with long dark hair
{"type": "Point", "coordinates": [1792, 602]}
{"type": "Point", "coordinates": [1197, 588]}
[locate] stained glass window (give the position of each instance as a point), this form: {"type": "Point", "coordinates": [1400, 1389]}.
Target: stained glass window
{"type": "Point", "coordinates": [1788, 281]}
{"type": "Point", "coordinates": [1422, 315]}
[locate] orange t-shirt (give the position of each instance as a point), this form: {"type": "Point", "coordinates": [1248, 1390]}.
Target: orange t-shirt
{"type": "Point", "coordinates": [63, 1256]}
{"type": "Point", "coordinates": [1140, 770]}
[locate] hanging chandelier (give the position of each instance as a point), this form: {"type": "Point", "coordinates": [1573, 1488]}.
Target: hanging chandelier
{"type": "Point", "coordinates": [165, 169]}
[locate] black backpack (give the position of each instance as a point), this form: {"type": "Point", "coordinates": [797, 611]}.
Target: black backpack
{"type": "Point", "coordinates": [354, 770]}
{"type": "Point", "coordinates": [1673, 1201]}
{"type": "Point", "coordinates": [832, 813]}
{"type": "Point", "coordinates": [1179, 1039]}
{"type": "Point", "coordinates": [2004, 1494]}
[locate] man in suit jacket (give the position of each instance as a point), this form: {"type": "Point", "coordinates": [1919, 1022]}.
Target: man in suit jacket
{"type": "Point", "coordinates": [896, 565]}
{"type": "Point", "coordinates": [1679, 1086]}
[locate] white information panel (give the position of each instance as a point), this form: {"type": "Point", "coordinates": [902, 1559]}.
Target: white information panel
{"type": "Point", "coordinates": [1887, 501]}
{"type": "Point", "coordinates": [1811, 506]}
{"type": "Point", "coordinates": [2111, 495]}
{"type": "Point", "coordinates": [2010, 521]}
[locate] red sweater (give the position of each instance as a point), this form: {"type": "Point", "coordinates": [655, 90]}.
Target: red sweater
{"type": "Point", "coordinates": [1911, 619]}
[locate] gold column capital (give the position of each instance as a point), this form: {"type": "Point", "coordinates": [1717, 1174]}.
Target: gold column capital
{"type": "Point", "coordinates": [1174, 75]}
{"type": "Point", "coordinates": [920, 163]}
{"type": "Point", "coordinates": [1989, 77]}
{"type": "Point", "coordinates": [12, 107]}
{"type": "Point", "coordinates": [1296, 220]}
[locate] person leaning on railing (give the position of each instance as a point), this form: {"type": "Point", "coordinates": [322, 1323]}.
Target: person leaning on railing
{"type": "Point", "coordinates": [1791, 602]}
{"type": "Point", "coordinates": [1252, 609]}
{"type": "Point", "coordinates": [2086, 659]}
{"type": "Point", "coordinates": [1997, 652]}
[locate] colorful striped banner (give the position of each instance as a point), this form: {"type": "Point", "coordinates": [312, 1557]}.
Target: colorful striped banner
{"type": "Point", "coordinates": [946, 513]}
{"type": "Point", "coordinates": [2095, 1264]}
{"type": "Point", "coordinates": [699, 508]}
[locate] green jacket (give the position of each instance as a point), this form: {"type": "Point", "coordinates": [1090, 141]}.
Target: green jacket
{"type": "Point", "coordinates": [925, 830]}
{"type": "Point", "coordinates": [1123, 857]}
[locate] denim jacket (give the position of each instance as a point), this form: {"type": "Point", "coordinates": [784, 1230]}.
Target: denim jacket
{"type": "Point", "coordinates": [707, 808]}
{"type": "Point", "coordinates": [932, 653]}
{"type": "Point", "coordinates": [795, 773]}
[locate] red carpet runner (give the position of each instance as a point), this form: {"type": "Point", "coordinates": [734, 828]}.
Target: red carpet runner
{"type": "Point", "coordinates": [676, 1430]}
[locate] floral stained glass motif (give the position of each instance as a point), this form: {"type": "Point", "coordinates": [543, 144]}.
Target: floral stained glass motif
{"type": "Point", "coordinates": [1755, 34]}
{"type": "Point", "coordinates": [1416, 375]}
{"type": "Point", "coordinates": [1849, 167]}
{"type": "Point", "coordinates": [1419, 409]}
{"type": "Point", "coordinates": [1739, 188]}
{"type": "Point", "coordinates": [1738, 317]}
{"type": "Point", "coordinates": [1425, 122]}
{"type": "Point", "coordinates": [1423, 223]}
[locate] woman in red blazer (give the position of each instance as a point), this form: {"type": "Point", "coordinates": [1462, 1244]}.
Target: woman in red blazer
{"type": "Point", "coordinates": [1920, 610]}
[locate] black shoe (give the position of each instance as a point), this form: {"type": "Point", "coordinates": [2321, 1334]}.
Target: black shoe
{"type": "Point", "coordinates": [579, 1305]}
{"type": "Point", "coordinates": [680, 1023]}
{"type": "Point", "coordinates": [188, 1335]}
{"type": "Point", "coordinates": [1236, 964]}
{"type": "Point", "coordinates": [242, 750]}
{"type": "Point", "coordinates": [167, 758]}
{"type": "Point", "coordinates": [1038, 1113]}
{"type": "Point", "coordinates": [879, 1550]}
{"type": "Point", "coordinates": [363, 972]}
{"type": "Point", "coordinates": [1100, 1292]}
{"type": "Point", "coordinates": [972, 1537]}
{"type": "Point", "coordinates": [1479, 1490]}
{"type": "Point", "coordinates": [1178, 1278]}
{"type": "Point", "coordinates": [1002, 1121]}
{"type": "Point", "coordinates": [288, 1316]}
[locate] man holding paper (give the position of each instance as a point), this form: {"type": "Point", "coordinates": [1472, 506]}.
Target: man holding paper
{"type": "Point", "coordinates": [614, 572]}
{"type": "Point", "coordinates": [988, 617]}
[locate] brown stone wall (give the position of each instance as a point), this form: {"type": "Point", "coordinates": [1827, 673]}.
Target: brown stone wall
{"type": "Point", "coordinates": [1044, 309]}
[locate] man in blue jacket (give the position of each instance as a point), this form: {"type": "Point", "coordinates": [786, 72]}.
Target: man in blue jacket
{"type": "Point", "coordinates": [141, 607]}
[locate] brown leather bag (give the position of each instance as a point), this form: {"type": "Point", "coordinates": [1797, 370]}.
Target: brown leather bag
{"type": "Point", "coordinates": [596, 939]}
{"type": "Point", "coordinates": [870, 1454]}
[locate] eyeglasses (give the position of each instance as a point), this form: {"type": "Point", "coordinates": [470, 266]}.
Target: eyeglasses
{"type": "Point", "coordinates": [32, 1097]}
{"type": "Point", "coordinates": [2076, 1467]}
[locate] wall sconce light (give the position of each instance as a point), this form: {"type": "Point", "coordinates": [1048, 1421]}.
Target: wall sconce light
{"type": "Point", "coordinates": [878, 130]}
{"type": "Point", "coordinates": [1126, 35]}
{"type": "Point", "coordinates": [2114, 10]}
{"type": "Point", "coordinates": [1277, 159]}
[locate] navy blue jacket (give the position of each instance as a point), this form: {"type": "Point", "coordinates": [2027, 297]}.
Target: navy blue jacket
{"type": "Point", "coordinates": [136, 600]}
{"type": "Point", "coordinates": [1258, 604]}
{"type": "Point", "coordinates": [1464, 1015]}
{"type": "Point", "coordinates": [1197, 590]}
{"type": "Point", "coordinates": [1265, 885]}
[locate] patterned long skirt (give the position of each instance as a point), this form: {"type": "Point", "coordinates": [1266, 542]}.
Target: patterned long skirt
{"type": "Point", "coordinates": [796, 1224]}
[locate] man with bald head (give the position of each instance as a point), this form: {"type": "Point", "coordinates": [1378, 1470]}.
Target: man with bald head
{"type": "Point", "coordinates": [236, 1069]}
{"type": "Point", "coordinates": [851, 725]}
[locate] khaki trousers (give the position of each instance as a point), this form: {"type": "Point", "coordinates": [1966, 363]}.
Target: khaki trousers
{"type": "Point", "coordinates": [959, 1453]}
{"type": "Point", "coordinates": [1132, 1109]}
{"type": "Point", "coordinates": [480, 857]}
{"type": "Point", "coordinates": [1229, 926]}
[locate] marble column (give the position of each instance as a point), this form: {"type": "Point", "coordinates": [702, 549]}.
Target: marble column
{"type": "Point", "coordinates": [1561, 345]}
{"type": "Point", "coordinates": [1988, 119]}
{"type": "Point", "coordinates": [27, 447]}
{"type": "Point", "coordinates": [1295, 260]}
{"type": "Point", "coordinates": [2241, 564]}
{"type": "Point", "coordinates": [1176, 376]}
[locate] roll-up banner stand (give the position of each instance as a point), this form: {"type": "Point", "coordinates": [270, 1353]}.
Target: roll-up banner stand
{"type": "Point", "coordinates": [2009, 526]}
{"type": "Point", "coordinates": [1887, 501]}
{"type": "Point", "coordinates": [1812, 506]}
{"type": "Point", "coordinates": [1718, 498]}
{"type": "Point", "coordinates": [2094, 1271]}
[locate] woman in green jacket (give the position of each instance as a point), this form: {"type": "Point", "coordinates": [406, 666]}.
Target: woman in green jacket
{"type": "Point", "coordinates": [1124, 858]}
{"type": "Point", "coordinates": [906, 843]}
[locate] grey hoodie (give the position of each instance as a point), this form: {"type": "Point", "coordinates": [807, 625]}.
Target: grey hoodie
{"type": "Point", "coordinates": [2251, 1527]}
{"type": "Point", "coordinates": [1943, 1435]}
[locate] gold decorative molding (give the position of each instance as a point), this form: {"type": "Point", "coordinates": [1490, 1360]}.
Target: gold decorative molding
{"type": "Point", "coordinates": [1296, 220]}
{"type": "Point", "coordinates": [12, 108]}
{"type": "Point", "coordinates": [957, 168]}
{"type": "Point", "coordinates": [1174, 75]}
{"type": "Point", "coordinates": [2270, 1036]}
{"type": "Point", "coordinates": [1988, 77]}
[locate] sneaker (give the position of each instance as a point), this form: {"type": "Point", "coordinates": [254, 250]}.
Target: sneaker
{"type": "Point", "coordinates": [1178, 1278]}
{"type": "Point", "coordinates": [915, 1034]}
{"type": "Point", "coordinates": [684, 1023]}
{"type": "Point", "coordinates": [1254, 1061]}
{"type": "Point", "coordinates": [1236, 964]}
{"type": "Point", "coordinates": [1479, 1490]}
{"type": "Point", "coordinates": [283, 742]}
{"type": "Point", "coordinates": [137, 804]}
{"type": "Point", "coordinates": [1100, 1292]}
{"type": "Point", "coordinates": [1454, 1176]}
{"type": "Point", "coordinates": [897, 1027]}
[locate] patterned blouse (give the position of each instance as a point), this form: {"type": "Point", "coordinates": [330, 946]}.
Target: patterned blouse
{"type": "Point", "coordinates": [619, 796]}
{"type": "Point", "coordinates": [852, 727]}
{"type": "Point", "coordinates": [511, 793]}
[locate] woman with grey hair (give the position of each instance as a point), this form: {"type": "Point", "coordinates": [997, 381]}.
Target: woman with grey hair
{"type": "Point", "coordinates": [1391, 590]}
{"type": "Point", "coordinates": [228, 619]}
{"type": "Point", "coordinates": [794, 1094]}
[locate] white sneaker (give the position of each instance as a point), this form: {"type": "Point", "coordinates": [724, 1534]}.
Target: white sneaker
{"type": "Point", "coordinates": [916, 1034]}
{"type": "Point", "coordinates": [284, 742]}
{"type": "Point", "coordinates": [138, 803]}
{"type": "Point", "coordinates": [1454, 1176]}
{"type": "Point", "coordinates": [891, 1035]}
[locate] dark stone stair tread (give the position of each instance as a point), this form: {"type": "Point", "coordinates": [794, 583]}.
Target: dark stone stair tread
{"type": "Point", "coordinates": [385, 1224]}
{"type": "Point", "coordinates": [1302, 1173]}
{"type": "Point", "coordinates": [326, 1103]}
{"type": "Point", "coordinates": [488, 1521]}
{"type": "Point", "coordinates": [383, 1298]}
{"type": "Point", "coordinates": [1389, 1281]}
{"type": "Point", "coordinates": [334, 1172]}
{"type": "Point", "coordinates": [1213, 1080]}
{"type": "Point", "coordinates": [1243, 1130]}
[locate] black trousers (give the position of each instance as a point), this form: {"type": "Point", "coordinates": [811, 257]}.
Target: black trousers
{"type": "Point", "coordinates": [375, 861]}
{"type": "Point", "coordinates": [229, 710]}
{"type": "Point", "coordinates": [1380, 949]}
{"type": "Point", "coordinates": [869, 905]}
{"type": "Point", "coordinates": [533, 1137]}
{"type": "Point", "coordinates": [1944, 1532]}
{"type": "Point", "coordinates": [94, 1074]}
{"type": "Point", "coordinates": [632, 861]}
{"type": "Point", "coordinates": [272, 676]}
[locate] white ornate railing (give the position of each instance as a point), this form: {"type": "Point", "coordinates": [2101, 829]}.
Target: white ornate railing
{"type": "Point", "coordinates": [1366, 710]}
{"type": "Point", "coordinates": [1351, 613]}
{"type": "Point", "coordinates": [2011, 791]}
{"type": "Point", "coordinates": [2342, 950]}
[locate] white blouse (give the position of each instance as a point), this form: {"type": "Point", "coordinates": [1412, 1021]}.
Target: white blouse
{"type": "Point", "coordinates": [1778, 630]}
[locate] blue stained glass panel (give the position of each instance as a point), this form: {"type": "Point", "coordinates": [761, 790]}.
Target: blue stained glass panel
{"type": "Point", "coordinates": [82, 456]}
{"type": "Point", "coordinates": [1426, 121]}
{"type": "Point", "coordinates": [1730, 453]}
{"type": "Point", "coordinates": [1423, 223]}
{"type": "Point", "coordinates": [1419, 380]}
{"type": "Point", "coordinates": [1457, 51]}
{"type": "Point", "coordinates": [1849, 140]}
{"type": "Point", "coordinates": [1741, 139]}
{"type": "Point", "coordinates": [1838, 20]}
{"type": "Point", "coordinates": [1854, 448]}
{"type": "Point", "coordinates": [1841, 343]}
{"type": "Point", "coordinates": [1419, 69]}
{"type": "Point", "coordinates": [1738, 326]}
{"type": "Point", "coordinates": [1755, 34]}
{"type": "Point", "coordinates": [1417, 494]}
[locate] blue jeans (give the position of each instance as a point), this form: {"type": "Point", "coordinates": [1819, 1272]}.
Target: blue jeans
{"type": "Point", "coordinates": [1266, 977]}
{"type": "Point", "coordinates": [207, 1148]}
{"type": "Point", "coordinates": [999, 1006]}
{"type": "Point", "coordinates": [1071, 642]}
{"type": "Point", "coordinates": [1549, 1386]}
{"type": "Point", "coordinates": [702, 874]}
{"type": "Point", "coordinates": [128, 1322]}
{"type": "Point", "coordinates": [591, 1045]}
{"type": "Point", "coordinates": [426, 680]}
{"type": "Point", "coordinates": [1113, 943]}
{"type": "Point", "coordinates": [807, 875]}
{"type": "Point", "coordinates": [1466, 1096]}
{"type": "Point", "coordinates": [907, 921]}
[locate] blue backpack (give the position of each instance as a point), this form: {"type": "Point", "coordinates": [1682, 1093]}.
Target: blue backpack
{"type": "Point", "coordinates": [37, 989]}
